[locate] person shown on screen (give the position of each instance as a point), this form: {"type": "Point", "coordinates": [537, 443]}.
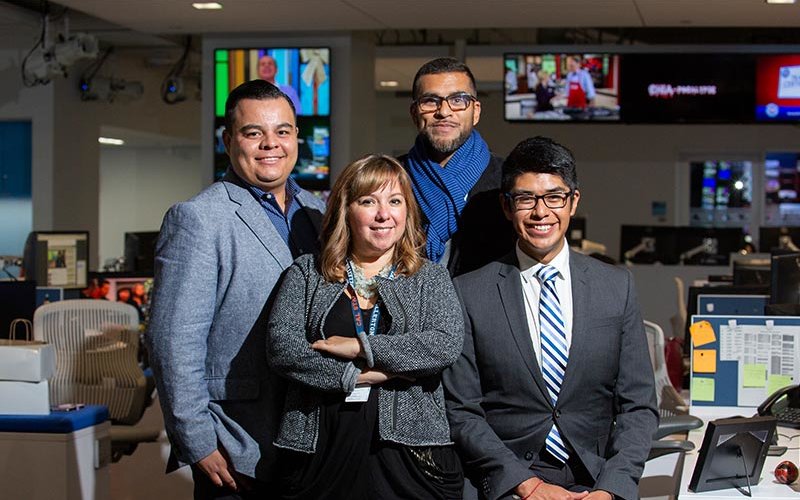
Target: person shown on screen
{"type": "Point", "coordinates": [456, 178]}
{"type": "Point", "coordinates": [544, 92]}
{"type": "Point", "coordinates": [553, 395]}
{"type": "Point", "coordinates": [268, 70]}
{"type": "Point", "coordinates": [218, 258]}
{"type": "Point", "coordinates": [580, 86]}
{"type": "Point", "coordinates": [362, 333]}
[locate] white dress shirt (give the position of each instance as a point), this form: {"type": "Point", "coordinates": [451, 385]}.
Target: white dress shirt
{"type": "Point", "coordinates": [531, 288]}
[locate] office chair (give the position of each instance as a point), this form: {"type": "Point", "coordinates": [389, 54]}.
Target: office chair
{"type": "Point", "coordinates": [672, 408]}
{"type": "Point", "coordinates": [97, 345]}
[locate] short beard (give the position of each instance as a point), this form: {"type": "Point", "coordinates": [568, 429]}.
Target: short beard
{"type": "Point", "coordinates": [445, 147]}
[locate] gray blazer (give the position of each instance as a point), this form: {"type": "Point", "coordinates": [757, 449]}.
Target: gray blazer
{"type": "Point", "coordinates": [425, 335]}
{"type": "Point", "coordinates": [217, 260]}
{"type": "Point", "coordinates": [497, 401]}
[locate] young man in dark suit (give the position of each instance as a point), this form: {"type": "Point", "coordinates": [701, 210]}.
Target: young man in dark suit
{"type": "Point", "coordinates": [552, 397]}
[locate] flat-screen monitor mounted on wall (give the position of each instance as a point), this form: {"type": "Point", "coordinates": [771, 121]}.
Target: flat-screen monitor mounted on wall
{"type": "Point", "coordinates": [721, 193]}
{"type": "Point", "coordinates": [303, 74]}
{"type": "Point", "coordinates": [778, 88]}
{"type": "Point", "coordinates": [782, 189]}
{"type": "Point", "coordinates": [561, 87]}
{"type": "Point", "coordinates": [57, 258]}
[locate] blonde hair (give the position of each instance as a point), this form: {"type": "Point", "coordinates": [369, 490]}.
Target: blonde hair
{"type": "Point", "coordinates": [362, 177]}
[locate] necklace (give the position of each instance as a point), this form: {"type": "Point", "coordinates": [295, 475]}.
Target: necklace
{"type": "Point", "coordinates": [366, 287]}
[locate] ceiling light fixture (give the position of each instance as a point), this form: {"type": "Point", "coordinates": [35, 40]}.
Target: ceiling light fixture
{"type": "Point", "coordinates": [780, 1]}
{"type": "Point", "coordinates": [389, 83]}
{"type": "Point", "coordinates": [110, 141]}
{"type": "Point", "coordinates": [207, 5]}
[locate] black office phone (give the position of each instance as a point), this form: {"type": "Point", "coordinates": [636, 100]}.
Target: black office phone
{"type": "Point", "coordinates": [783, 404]}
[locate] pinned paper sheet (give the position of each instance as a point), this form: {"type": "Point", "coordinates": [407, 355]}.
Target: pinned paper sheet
{"type": "Point", "coordinates": [775, 382]}
{"type": "Point", "coordinates": [702, 389]}
{"type": "Point", "coordinates": [704, 361]}
{"type": "Point", "coordinates": [754, 375]}
{"type": "Point", "coordinates": [702, 333]}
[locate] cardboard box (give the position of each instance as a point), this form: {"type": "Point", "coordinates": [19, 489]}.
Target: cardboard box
{"type": "Point", "coordinates": [24, 398]}
{"type": "Point", "coordinates": [26, 361]}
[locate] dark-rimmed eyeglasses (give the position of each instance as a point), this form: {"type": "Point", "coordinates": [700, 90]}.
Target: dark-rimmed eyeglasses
{"type": "Point", "coordinates": [527, 201]}
{"type": "Point", "coordinates": [457, 102]}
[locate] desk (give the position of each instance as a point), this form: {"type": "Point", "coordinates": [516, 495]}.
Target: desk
{"type": "Point", "coordinates": [659, 478]}
{"type": "Point", "coordinates": [767, 488]}
{"type": "Point", "coordinates": [61, 456]}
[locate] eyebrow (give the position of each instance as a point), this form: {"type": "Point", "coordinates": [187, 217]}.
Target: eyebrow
{"type": "Point", "coordinates": [548, 191]}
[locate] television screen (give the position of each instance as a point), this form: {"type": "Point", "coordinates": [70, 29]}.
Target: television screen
{"type": "Point", "coordinates": [782, 189]}
{"type": "Point", "coordinates": [687, 88]}
{"type": "Point", "coordinates": [721, 193]}
{"type": "Point", "coordinates": [778, 88]}
{"type": "Point", "coordinates": [561, 87]}
{"type": "Point", "coordinates": [303, 74]}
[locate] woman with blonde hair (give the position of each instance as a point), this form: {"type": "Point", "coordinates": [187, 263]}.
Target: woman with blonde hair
{"type": "Point", "coordinates": [362, 333]}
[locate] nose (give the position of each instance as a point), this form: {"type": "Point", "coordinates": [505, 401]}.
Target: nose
{"type": "Point", "coordinates": [444, 109]}
{"type": "Point", "coordinates": [269, 141]}
{"type": "Point", "coordinates": [540, 210]}
{"type": "Point", "coordinates": [382, 213]}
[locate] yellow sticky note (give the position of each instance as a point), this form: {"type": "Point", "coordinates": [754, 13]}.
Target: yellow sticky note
{"type": "Point", "coordinates": [704, 361]}
{"type": "Point", "coordinates": [702, 333]}
{"type": "Point", "coordinates": [775, 382]}
{"type": "Point", "coordinates": [702, 389]}
{"type": "Point", "coordinates": [754, 375]}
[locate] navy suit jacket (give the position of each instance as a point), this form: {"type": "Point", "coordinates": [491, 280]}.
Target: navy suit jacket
{"type": "Point", "coordinates": [497, 401]}
{"type": "Point", "coordinates": [218, 258]}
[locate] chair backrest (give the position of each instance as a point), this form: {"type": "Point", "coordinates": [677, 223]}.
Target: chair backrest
{"type": "Point", "coordinates": [96, 344]}
{"type": "Point", "coordinates": [669, 400]}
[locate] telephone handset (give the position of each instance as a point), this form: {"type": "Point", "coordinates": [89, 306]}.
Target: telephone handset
{"type": "Point", "coordinates": [784, 404]}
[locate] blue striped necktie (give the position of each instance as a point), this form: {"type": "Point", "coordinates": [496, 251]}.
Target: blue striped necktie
{"type": "Point", "coordinates": [553, 338]}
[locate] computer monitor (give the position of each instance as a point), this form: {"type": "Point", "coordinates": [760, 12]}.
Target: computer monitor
{"type": "Point", "coordinates": [784, 238]}
{"type": "Point", "coordinates": [721, 193]}
{"type": "Point", "coordinates": [577, 231]}
{"type": "Point", "coordinates": [140, 251]}
{"type": "Point", "coordinates": [732, 454]}
{"type": "Point", "coordinates": [57, 258]}
{"type": "Point", "coordinates": [702, 246]}
{"type": "Point", "coordinates": [785, 285]}
{"type": "Point", "coordinates": [648, 244]}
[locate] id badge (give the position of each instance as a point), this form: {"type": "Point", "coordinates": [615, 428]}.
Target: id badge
{"type": "Point", "coordinates": [359, 395]}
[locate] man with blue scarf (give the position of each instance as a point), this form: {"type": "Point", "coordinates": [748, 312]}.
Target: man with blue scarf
{"type": "Point", "coordinates": [456, 179]}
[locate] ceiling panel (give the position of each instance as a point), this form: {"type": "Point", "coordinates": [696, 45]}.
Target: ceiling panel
{"type": "Point", "coordinates": [718, 13]}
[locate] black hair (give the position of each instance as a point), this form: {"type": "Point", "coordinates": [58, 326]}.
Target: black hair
{"type": "Point", "coordinates": [254, 89]}
{"type": "Point", "coordinates": [442, 65]}
{"type": "Point", "coordinates": [539, 155]}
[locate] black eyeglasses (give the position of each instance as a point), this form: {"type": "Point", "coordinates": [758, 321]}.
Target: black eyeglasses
{"type": "Point", "coordinates": [527, 201]}
{"type": "Point", "coordinates": [457, 102]}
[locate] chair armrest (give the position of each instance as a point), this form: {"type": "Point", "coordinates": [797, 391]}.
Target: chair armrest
{"type": "Point", "coordinates": [676, 424]}
{"type": "Point", "coordinates": [667, 446]}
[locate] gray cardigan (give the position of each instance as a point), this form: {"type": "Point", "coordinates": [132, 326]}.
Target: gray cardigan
{"type": "Point", "coordinates": [426, 335]}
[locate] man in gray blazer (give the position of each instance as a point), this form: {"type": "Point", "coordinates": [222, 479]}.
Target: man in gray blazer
{"type": "Point", "coordinates": [218, 258]}
{"type": "Point", "coordinates": [553, 394]}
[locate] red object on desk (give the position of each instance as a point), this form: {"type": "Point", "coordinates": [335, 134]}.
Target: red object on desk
{"type": "Point", "coordinates": [786, 472]}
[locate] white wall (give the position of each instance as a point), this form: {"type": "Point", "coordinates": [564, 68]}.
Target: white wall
{"type": "Point", "coordinates": [138, 185]}
{"type": "Point", "coordinates": [621, 168]}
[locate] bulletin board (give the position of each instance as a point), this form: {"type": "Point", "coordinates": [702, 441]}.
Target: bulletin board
{"type": "Point", "coordinates": [740, 360]}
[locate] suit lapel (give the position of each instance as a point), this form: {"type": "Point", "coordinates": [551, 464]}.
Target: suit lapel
{"type": "Point", "coordinates": [252, 214]}
{"type": "Point", "coordinates": [510, 288]}
{"type": "Point", "coordinates": [580, 347]}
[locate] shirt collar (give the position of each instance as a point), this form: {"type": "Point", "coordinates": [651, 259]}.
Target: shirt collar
{"type": "Point", "coordinates": [292, 189]}
{"type": "Point", "coordinates": [528, 265]}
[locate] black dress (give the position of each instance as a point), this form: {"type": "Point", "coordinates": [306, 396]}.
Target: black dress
{"type": "Point", "coordinates": [351, 462]}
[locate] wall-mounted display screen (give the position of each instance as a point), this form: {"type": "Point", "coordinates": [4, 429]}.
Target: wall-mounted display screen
{"type": "Point", "coordinates": [562, 87]}
{"type": "Point", "coordinates": [687, 88]}
{"type": "Point", "coordinates": [721, 193]}
{"type": "Point", "coordinates": [301, 73]}
{"type": "Point", "coordinates": [778, 88]}
{"type": "Point", "coordinates": [782, 189]}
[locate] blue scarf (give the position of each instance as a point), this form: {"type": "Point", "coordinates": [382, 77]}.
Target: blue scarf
{"type": "Point", "coordinates": [442, 191]}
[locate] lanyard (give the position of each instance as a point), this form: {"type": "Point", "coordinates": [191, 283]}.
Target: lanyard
{"type": "Point", "coordinates": [358, 317]}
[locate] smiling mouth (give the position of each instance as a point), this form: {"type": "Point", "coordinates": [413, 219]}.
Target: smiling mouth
{"type": "Point", "coordinates": [270, 159]}
{"type": "Point", "coordinates": [382, 229]}
{"type": "Point", "coordinates": [541, 228]}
